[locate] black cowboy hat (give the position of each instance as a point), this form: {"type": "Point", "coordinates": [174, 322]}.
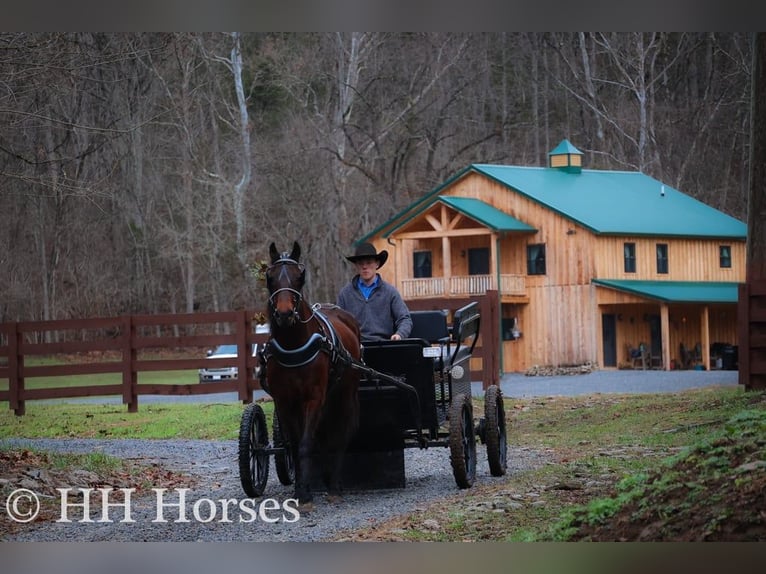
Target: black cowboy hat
{"type": "Point", "coordinates": [367, 251]}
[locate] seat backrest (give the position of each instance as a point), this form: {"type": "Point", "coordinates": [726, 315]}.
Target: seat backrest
{"type": "Point", "coordinates": [466, 322]}
{"type": "Point", "coordinates": [429, 325]}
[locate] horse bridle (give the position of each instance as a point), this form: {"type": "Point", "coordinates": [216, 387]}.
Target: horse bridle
{"type": "Point", "coordinates": [296, 295]}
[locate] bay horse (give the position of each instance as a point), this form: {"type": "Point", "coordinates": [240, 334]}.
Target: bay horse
{"type": "Point", "coordinates": [309, 374]}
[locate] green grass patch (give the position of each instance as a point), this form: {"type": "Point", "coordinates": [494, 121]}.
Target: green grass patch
{"type": "Point", "coordinates": [152, 421]}
{"type": "Point", "coordinates": [97, 462]}
{"type": "Point", "coordinates": [174, 377]}
{"type": "Point", "coordinates": [179, 377]}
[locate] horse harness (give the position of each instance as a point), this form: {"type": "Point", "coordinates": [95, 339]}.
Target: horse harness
{"type": "Point", "coordinates": [325, 341]}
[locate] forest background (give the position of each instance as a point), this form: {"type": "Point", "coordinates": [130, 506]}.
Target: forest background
{"type": "Point", "coordinates": [148, 173]}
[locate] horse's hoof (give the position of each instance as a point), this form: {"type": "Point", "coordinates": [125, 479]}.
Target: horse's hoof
{"type": "Point", "coordinates": [306, 507]}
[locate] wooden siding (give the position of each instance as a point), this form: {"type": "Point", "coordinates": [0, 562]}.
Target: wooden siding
{"type": "Point", "coordinates": [688, 259]}
{"type": "Point", "coordinates": [560, 316]}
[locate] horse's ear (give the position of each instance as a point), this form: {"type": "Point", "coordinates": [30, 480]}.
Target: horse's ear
{"type": "Point", "coordinates": [273, 252]}
{"type": "Point", "coordinates": [296, 253]}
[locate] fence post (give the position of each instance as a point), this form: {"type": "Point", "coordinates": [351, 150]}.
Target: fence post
{"type": "Point", "coordinates": [490, 340]}
{"type": "Point", "coordinates": [129, 374]}
{"type": "Point", "coordinates": [15, 368]}
{"type": "Point", "coordinates": [243, 346]}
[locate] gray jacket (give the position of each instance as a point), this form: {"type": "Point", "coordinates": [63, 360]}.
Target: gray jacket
{"type": "Point", "coordinates": [380, 316]}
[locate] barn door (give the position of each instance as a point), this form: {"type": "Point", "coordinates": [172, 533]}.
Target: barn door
{"type": "Point", "coordinates": [609, 338]}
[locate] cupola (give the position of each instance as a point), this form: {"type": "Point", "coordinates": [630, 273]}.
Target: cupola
{"type": "Point", "coordinates": [565, 157]}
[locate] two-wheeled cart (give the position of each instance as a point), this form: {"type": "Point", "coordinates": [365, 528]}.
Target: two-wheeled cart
{"type": "Point", "coordinates": [413, 393]}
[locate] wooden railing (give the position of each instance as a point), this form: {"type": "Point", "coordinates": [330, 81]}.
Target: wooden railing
{"type": "Point", "coordinates": [126, 345]}
{"type": "Point", "coordinates": [462, 286]}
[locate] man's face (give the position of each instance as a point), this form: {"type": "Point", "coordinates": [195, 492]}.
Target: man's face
{"type": "Point", "coordinates": [367, 268]}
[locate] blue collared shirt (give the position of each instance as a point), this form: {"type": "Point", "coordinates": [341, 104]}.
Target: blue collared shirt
{"type": "Point", "coordinates": [368, 289]}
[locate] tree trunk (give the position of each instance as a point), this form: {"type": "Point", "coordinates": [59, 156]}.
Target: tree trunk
{"type": "Point", "coordinates": [244, 134]}
{"type": "Point", "coordinates": [756, 247]}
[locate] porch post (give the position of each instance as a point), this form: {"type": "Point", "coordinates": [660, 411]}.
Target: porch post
{"type": "Point", "coordinates": [665, 330]}
{"type": "Point", "coordinates": [494, 263]}
{"type": "Point", "coordinates": [447, 258]}
{"type": "Point", "coordinates": [705, 337]}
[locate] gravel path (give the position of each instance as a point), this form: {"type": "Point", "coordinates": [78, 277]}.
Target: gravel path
{"type": "Point", "coordinates": [214, 466]}
{"type": "Point", "coordinates": [428, 472]}
{"type": "Point", "coordinates": [618, 382]}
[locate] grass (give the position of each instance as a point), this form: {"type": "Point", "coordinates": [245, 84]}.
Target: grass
{"type": "Point", "coordinates": [179, 377]}
{"type": "Point", "coordinates": [97, 462]}
{"type": "Point", "coordinates": [706, 490]}
{"type": "Point", "coordinates": [174, 377]}
{"type": "Point", "coordinates": [153, 421]}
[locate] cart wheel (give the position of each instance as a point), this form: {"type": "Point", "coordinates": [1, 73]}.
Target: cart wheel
{"type": "Point", "coordinates": [253, 440]}
{"type": "Point", "coordinates": [494, 431]}
{"type": "Point", "coordinates": [282, 460]}
{"type": "Point", "coordinates": [462, 441]}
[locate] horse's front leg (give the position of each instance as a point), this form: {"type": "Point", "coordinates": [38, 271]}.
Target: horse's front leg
{"type": "Point", "coordinates": [305, 452]}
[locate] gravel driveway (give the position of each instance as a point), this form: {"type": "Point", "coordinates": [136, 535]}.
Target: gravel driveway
{"type": "Point", "coordinates": [428, 472]}
{"type": "Point", "coordinates": [621, 381]}
{"type": "Point", "coordinates": [214, 465]}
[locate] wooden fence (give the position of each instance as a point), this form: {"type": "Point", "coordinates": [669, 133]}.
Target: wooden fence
{"type": "Point", "coordinates": [133, 344]}
{"type": "Point", "coordinates": [752, 335]}
{"type": "Point", "coordinates": [127, 345]}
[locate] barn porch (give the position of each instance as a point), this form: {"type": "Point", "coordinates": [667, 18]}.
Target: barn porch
{"type": "Point", "coordinates": [682, 324]}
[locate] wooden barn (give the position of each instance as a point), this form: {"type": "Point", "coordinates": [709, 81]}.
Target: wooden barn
{"type": "Point", "coordinates": [613, 268]}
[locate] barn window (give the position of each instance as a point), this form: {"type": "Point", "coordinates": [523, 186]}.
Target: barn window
{"type": "Point", "coordinates": [662, 258]}
{"type": "Point", "coordinates": [630, 257]}
{"type": "Point", "coordinates": [421, 264]}
{"type": "Point", "coordinates": [725, 255]}
{"type": "Point", "coordinates": [536, 259]}
{"type": "Point", "coordinates": [478, 261]}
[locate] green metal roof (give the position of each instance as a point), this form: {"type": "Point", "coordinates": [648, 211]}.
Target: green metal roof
{"type": "Point", "coordinates": [485, 214]}
{"type": "Point", "coordinates": [676, 291]}
{"type": "Point", "coordinates": [617, 202]}
{"type": "Point", "coordinates": [605, 202]}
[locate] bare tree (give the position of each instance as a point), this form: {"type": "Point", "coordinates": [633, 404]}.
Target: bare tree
{"type": "Point", "coordinates": [128, 161]}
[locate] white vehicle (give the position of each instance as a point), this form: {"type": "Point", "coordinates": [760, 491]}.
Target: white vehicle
{"type": "Point", "coordinates": [227, 373]}
{"type": "Point", "coordinates": [220, 373]}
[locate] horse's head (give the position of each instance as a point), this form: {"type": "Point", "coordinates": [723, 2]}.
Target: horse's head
{"type": "Point", "coordinates": [284, 279]}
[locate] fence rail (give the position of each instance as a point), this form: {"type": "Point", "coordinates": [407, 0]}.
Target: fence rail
{"type": "Point", "coordinates": [123, 347]}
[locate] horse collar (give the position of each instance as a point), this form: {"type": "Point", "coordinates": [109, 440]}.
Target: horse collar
{"type": "Point", "coordinates": [301, 356]}
{"type": "Point", "coordinates": [326, 341]}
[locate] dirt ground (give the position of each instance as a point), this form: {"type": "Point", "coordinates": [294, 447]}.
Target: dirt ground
{"type": "Point", "coordinates": [724, 505]}
{"type": "Point", "coordinates": [26, 469]}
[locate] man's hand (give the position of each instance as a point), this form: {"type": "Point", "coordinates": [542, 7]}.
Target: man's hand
{"type": "Point", "coordinates": [396, 337]}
